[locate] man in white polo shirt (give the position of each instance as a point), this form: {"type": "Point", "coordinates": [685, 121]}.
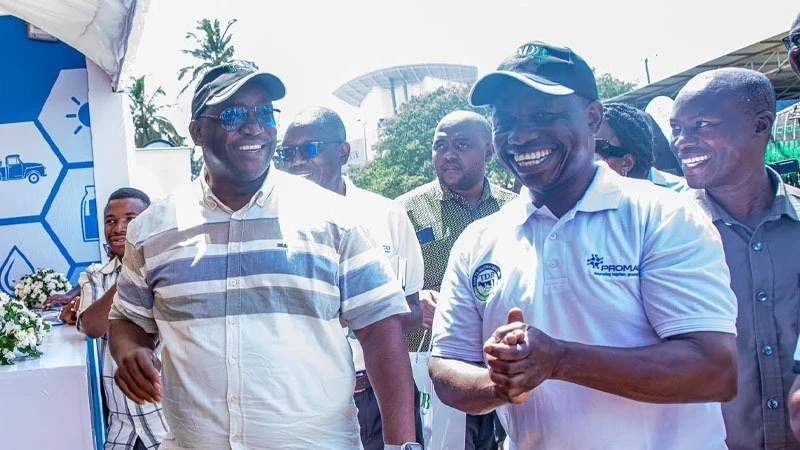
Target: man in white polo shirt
{"type": "Point", "coordinates": [315, 147]}
{"type": "Point", "coordinates": [596, 312]}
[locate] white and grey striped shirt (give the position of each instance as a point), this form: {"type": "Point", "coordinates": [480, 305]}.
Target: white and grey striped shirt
{"type": "Point", "coordinates": [247, 303]}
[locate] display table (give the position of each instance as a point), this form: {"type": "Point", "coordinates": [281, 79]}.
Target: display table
{"type": "Point", "coordinates": [46, 401]}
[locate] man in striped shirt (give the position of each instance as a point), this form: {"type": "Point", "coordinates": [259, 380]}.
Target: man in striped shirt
{"type": "Point", "coordinates": [130, 426]}
{"type": "Point", "coordinates": [243, 276]}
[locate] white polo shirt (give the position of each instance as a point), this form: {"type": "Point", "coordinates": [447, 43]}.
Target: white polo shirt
{"type": "Point", "coordinates": [628, 266]}
{"type": "Point", "coordinates": [388, 224]}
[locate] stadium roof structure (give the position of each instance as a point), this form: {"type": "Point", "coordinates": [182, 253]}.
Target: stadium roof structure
{"type": "Point", "coordinates": [355, 91]}
{"type": "Point", "coordinates": [767, 56]}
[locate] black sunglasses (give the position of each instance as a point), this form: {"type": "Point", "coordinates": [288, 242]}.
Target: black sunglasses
{"type": "Point", "coordinates": [604, 148]}
{"type": "Point", "coordinates": [791, 41]}
{"type": "Point", "coordinates": [307, 151]}
{"type": "Point", "coordinates": [234, 117]}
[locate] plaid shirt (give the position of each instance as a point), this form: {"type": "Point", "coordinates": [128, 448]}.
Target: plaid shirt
{"type": "Point", "coordinates": [127, 421]}
{"type": "Point", "coordinates": [439, 215]}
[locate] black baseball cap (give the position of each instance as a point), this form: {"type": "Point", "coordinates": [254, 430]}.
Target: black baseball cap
{"type": "Point", "coordinates": [544, 67]}
{"type": "Point", "coordinates": [220, 82]}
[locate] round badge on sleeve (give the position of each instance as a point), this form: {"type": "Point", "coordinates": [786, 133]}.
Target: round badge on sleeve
{"type": "Point", "coordinates": [484, 280]}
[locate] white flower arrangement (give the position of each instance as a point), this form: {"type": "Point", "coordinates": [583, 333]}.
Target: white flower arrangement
{"type": "Point", "coordinates": [34, 289]}
{"type": "Point", "coordinates": [21, 330]}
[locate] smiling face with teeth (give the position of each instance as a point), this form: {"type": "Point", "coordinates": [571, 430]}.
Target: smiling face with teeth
{"type": "Point", "coordinates": [118, 214]}
{"type": "Point", "coordinates": [236, 161]}
{"type": "Point", "coordinates": [546, 141]}
{"type": "Point", "coordinates": [718, 134]}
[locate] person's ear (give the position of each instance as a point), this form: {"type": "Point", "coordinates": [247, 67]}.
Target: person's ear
{"type": "Point", "coordinates": [488, 152]}
{"type": "Point", "coordinates": [628, 161]}
{"type": "Point", "coordinates": [764, 121]}
{"type": "Point", "coordinates": [594, 117]}
{"type": "Point", "coordinates": [344, 153]}
{"type": "Point", "coordinates": [196, 132]}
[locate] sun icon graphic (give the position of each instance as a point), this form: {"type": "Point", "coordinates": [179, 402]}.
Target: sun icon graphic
{"type": "Point", "coordinates": [82, 115]}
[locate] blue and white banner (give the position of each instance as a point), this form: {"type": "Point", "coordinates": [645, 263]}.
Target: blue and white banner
{"type": "Point", "coordinates": [48, 209]}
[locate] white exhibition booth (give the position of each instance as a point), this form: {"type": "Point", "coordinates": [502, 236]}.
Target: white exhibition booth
{"type": "Point", "coordinates": [60, 87]}
{"type": "Point", "coordinates": [46, 401]}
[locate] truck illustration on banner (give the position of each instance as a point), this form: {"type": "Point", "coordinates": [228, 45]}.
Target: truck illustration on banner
{"type": "Point", "coordinates": [15, 169]}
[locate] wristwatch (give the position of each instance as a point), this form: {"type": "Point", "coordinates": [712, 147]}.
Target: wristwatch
{"type": "Point", "coordinates": [406, 446]}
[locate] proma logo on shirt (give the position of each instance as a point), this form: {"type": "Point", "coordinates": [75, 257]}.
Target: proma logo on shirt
{"type": "Point", "coordinates": [602, 268]}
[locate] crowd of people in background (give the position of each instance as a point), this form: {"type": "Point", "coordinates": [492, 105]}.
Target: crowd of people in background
{"type": "Point", "coordinates": [608, 305]}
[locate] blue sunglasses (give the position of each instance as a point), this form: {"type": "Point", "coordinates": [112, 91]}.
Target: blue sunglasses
{"type": "Point", "coordinates": [307, 151]}
{"type": "Point", "coordinates": [234, 117]}
{"type": "Point", "coordinates": [791, 41]}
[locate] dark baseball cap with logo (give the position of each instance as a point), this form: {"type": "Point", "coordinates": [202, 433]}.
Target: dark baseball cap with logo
{"type": "Point", "coordinates": [544, 67]}
{"type": "Point", "coordinates": [220, 82]}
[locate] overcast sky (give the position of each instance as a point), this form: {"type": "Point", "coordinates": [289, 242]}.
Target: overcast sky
{"type": "Point", "coordinates": [316, 46]}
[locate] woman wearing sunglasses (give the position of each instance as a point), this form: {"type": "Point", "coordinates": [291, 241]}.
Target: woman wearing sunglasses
{"type": "Point", "coordinates": [625, 143]}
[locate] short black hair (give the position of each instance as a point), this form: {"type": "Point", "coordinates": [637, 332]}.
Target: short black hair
{"type": "Point", "coordinates": [326, 119]}
{"type": "Point", "coordinates": [129, 192]}
{"type": "Point", "coordinates": [635, 135]}
{"type": "Point", "coordinates": [484, 127]}
{"type": "Point", "coordinates": [750, 87]}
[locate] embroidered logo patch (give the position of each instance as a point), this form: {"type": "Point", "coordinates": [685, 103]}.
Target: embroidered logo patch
{"type": "Point", "coordinates": [484, 280]}
{"type": "Point", "coordinates": [534, 52]}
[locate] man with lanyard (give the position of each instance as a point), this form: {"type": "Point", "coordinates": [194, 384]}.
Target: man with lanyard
{"type": "Point", "coordinates": [315, 147]}
{"type": "Point", "coordinates": [440, 210]}
{"type": "Point", "coordinates": [244, 275]}
{"type": "Point", "coordinates": [596, 312]}
{"type": "Point", "coordinates": [129, 426]}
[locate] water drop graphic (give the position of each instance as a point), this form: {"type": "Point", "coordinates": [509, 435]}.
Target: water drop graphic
{"type": "Point", "coordinates": [14, 267]}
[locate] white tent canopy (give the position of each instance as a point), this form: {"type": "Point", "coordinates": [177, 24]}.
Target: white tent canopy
{"type": "Point", "coordinates": [105, 31]}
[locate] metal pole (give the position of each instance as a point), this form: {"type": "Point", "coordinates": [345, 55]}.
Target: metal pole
{"type": "Point", "coordinates": [647, 70]}
{"type": "Point", "coordinates": [394, 100]}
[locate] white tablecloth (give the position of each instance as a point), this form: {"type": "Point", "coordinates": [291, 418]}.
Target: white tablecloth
{"type": "Point", "coordinates": [44, 402]}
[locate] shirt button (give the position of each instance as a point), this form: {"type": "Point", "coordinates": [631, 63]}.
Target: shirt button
{"type": "Point", "coordinates": [772, 404]}
{"type": "Point", "coordinates": [234, 246]}
{"type": "Point", "coordinates": [757, 246]}
{"type": "Point", "coordinates": [761, 296]}
{"type": "Point", "coordinates": [553, 263]}
{"type": "Point", "coordinates": [232, 360]}
{"type": "Point", "coordinates": [766, 349]}
{"type": "Point", "coordinates": [232, 320]}
{"type": "Point", "coordinates": [231, 283]}
{"type": "Point", "coordinates": [553, 237]}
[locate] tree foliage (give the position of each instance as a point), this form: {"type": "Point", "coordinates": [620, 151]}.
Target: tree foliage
{"type": "Point", "coordinates": [609, 87]}
{"type": "Point", "coordinates": [148, 122]}
{"type": "Point", "coordinates": [403, 158]}
{"type": "Point", "coordinates": [212, 47]}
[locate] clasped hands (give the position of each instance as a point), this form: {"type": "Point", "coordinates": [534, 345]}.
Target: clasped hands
{"type": "Point", "coordinates": [520, 357]}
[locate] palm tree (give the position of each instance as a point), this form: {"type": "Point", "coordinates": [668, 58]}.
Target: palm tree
{"type": "Point", "coordinates": [148, 124]}
{"type": "Point", "coordinates": [212, 48]}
